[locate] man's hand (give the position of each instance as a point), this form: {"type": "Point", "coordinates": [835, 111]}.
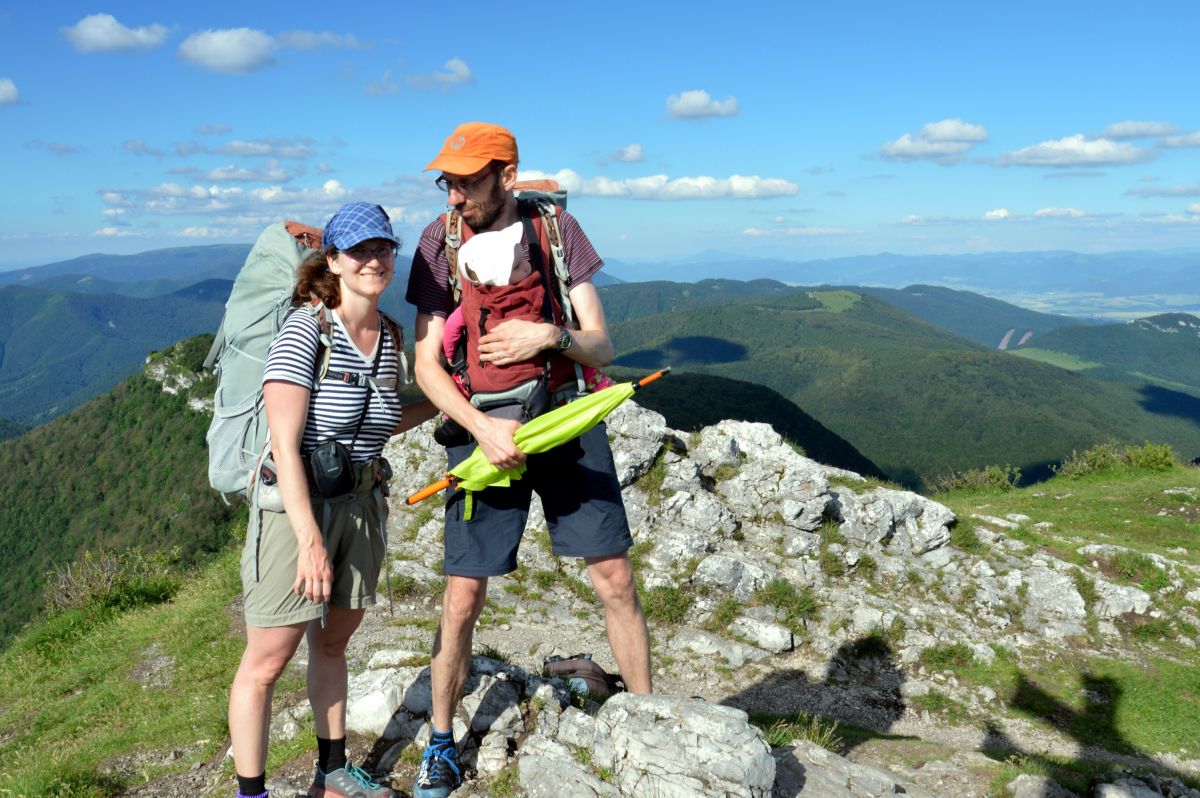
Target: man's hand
{"type": "Point", "coordinates": [516, 340]}
{"type": "Point", "coordinates": [495, 438]}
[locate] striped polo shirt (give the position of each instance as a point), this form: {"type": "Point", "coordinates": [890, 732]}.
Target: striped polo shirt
{"type": "Point", "coordinates": [429, 280]}
{"type": "Point", "coordinates": [334, 409]}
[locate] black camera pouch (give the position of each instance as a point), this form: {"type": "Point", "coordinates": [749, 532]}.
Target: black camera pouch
{"type": "Point", "coordinates": [332, 469]}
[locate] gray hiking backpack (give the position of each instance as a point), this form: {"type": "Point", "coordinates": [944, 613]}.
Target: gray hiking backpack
{"type": "Point", "coordinates": [261, 299]}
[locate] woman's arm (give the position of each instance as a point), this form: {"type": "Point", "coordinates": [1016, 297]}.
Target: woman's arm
{"type": "Point", "coordinates": [287, 411]}
{"type": "Point", "coordinates": [414, 415]}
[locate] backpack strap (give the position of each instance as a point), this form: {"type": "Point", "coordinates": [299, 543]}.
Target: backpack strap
{"type": "Point", "coordinates": [454, 240]}
{"type": "Point", "coordinates": [558, 260]}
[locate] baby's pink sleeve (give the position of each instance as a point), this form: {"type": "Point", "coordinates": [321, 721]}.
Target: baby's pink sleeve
{"type": "Point", "coordinates": [454, 327]}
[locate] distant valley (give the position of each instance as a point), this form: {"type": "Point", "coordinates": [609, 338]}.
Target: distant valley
{"type": "Point", "coordinates": [907, 382]}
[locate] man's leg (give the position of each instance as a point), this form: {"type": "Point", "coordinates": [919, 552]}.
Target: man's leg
{"type": "Point", "coordinates": [461, 604]}
{"type": "Point", "coordinates": [612, 577]}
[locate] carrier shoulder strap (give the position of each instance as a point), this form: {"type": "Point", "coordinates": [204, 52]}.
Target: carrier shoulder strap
{"type": "Point", "coordinates": [453, 242]}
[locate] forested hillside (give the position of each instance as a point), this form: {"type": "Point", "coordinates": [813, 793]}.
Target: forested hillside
{"type": "Point", "coordinates": [126, 469]}
{"type": "Point", "coordinates": [59, 349]}
{"type": "Point", "coordinates": [917, 401]}
{"type": "Point", "coordinates": [1164, 348]}
{"type": "Point", "coordinates": [990, 322]}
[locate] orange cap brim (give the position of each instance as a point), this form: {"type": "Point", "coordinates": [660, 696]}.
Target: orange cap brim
{"type": "Point", "coordinates": [457, 164]}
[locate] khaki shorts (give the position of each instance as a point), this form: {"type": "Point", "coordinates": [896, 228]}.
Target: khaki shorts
{"type": "Point", "coordinates": [355, 537]}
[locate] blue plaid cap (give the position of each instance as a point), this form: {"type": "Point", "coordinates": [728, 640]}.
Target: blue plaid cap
{"type": "Point", "coordinates": [356, 222]}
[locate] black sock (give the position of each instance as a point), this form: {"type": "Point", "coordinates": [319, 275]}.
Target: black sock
{"type": "Point", "coordinates": [441, 739]}
{"type": "Point", "coordinates": [331, 754]}
{"type": "Point", "coordinates": [252, 787]}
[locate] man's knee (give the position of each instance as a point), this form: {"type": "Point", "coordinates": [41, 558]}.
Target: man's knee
{"type": "Point", "coordinates": [613, 579]}
{"type": "Point", "coordinates": [462, 602]}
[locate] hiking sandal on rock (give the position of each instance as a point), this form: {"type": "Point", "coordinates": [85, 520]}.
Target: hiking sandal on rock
{"type": "Point", "coordinates": [348, 782]}
{"type": "Point", "coordinates": [440, 773]}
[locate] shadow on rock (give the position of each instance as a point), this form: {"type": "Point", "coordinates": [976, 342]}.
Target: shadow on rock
{"type": "Point", "coordinates": [862, 686]}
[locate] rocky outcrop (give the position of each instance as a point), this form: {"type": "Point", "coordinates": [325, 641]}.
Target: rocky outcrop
{"type": "Point", "coordinates": [757, 549]}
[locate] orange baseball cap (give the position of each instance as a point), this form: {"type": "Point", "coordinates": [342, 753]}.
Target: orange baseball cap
{"type": "Point", "coordinates": [472, 146]}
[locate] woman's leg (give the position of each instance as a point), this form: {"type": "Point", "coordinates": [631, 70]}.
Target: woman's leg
{"type": "Point", "coordinates": [327, 670]}
{"type": "Point", "coordinates": [268, 651]}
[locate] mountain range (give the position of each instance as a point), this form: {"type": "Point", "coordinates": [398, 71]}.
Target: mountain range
{"type": "Point", "coordinates": [916, 381]}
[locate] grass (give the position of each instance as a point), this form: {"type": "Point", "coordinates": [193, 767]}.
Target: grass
{"type": "Point", "coordinates": [666, 604]}
{"type": "Point", "coordinates": [782, 730]}
{"type": "Point", "coordinates": [948, 657]}
{"type": "Point", "coordinates": [938, 703]}
{"type": "Point", "coordinates": [70, 700]}
{"type": "Point", "coordinates": [797, 605]}
{"type": "Point", "coordinates": [1060, 359]}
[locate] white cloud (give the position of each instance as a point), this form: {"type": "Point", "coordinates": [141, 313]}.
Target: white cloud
{"type": "Point", "coordinates": [953, 130]}
{"type": "Point", "coordinates": [945, 142]}
{"type": "Point", "coordinates": [996, 215]}
{"type": "Point", "coordinates": [1193, 207]}
{"type": "Point", "coordinates": [116, 232]}
{"type": "Point", "coordinates": [1186, 140]}
{"type": "Point", "coordinates": [1077, 150]}
{"type": "Point", "coordinates": [697, 104]}
{"type": "Point", "coordinates": [1137, 130]}
{"type": "Point", "coordinates": [385, 85]}
{"type": "Point", "coordinates": [139, 147]}
{"type": "Point", "coordinates": [1185, 190]}
{"type": "Point", "coordinates": [662, 187]}
{"type": "Point", "coordinates": [234, 51]}
{"type": "Point", "coordinates": [310, 40]}
{"type": "Point", "coordinates": [793, 232]}
{"type": "Point", "coordinates": [453, 74]}
{"type": "Point", "coordinates": [113, 213]}
{"type": "Point", "coordinates": [101, 33]}
{"type": "Point", "coordinates": [271, 173]}
{"type": "Point", "coordinates": [205, 232]}
{"type": "Point", "coordinates": [262, 148]}
{"type": "Point", "coordinates": [1059, 213]}
{"type": "Point", "coordinates": [630, 154]}
{"type": "Point", "coordinates": [218, 129]}
{"type": "Point", "coordinates": [8, 92]}
{"type": "Point", "coordinates": [324, 168]}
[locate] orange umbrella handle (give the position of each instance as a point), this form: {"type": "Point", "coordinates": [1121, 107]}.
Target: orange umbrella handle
{"type": "Point", "coordinates": [429, 490]}
{"type": "Point", "coordinates": [644, 381]}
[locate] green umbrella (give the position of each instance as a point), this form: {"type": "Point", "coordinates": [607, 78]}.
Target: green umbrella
{"type": "Point", "coordinates": [541, 434]}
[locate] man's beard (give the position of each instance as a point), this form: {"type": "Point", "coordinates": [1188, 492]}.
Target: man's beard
{"type": "Point", "coordinates": [485, 212]}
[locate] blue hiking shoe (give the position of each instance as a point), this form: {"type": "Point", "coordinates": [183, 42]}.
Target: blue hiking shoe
{"type": "Point", "coordinates": [440, 773]}
{"type": "Point", "coordinates": [348, 782]}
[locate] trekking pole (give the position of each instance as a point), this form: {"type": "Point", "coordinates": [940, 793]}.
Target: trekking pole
{"type": "Point", "coordinates": [429, 490]}
{"type": "Point", "coordinates": [644, 381]}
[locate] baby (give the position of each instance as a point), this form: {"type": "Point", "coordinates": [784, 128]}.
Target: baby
{"type": "Point", "coordinates": [494, 258]}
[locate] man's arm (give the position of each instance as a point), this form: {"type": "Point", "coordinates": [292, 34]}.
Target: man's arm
{"type": "Point", "coordinates": [516, 340]}
{"type": "Point", "coordinates": [494, 435]}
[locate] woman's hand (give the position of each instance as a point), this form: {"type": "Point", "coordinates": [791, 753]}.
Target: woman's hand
{"type": "Point", "coordinates": [314, 573]}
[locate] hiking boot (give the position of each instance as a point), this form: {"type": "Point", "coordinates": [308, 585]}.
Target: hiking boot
{"type": "Point", "coordinates": [348, 782]}
{"type": "Point", "coordinates": [440, 773]}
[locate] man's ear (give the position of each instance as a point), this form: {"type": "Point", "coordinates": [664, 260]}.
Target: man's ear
{"type": "Point", "coordinates": [508, 176]}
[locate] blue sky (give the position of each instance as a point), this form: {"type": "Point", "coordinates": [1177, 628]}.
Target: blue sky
{"type": "Point", "coordinates": [791, 130]}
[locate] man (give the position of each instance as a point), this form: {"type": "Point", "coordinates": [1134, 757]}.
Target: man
{"type": "Point", "coordinates": [577, 482]}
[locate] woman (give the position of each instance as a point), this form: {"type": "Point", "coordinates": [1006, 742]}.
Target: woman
{"type": "Point", "coordinates": [312, 569]}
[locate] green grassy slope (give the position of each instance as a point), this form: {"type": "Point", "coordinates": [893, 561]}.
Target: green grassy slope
{"type": "Point", "coordinates": [59, 349]}
{"type": "Point", "coordinates": [915, 400]}
{"type": "Point", "coordinates": [972, 316]}
{"type": "Point", "coordinates": [635, 300]}
{"type": "Point", "coordinates": [1164, 348]}
{"type": "Point", "coordinates": [126, 469]}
